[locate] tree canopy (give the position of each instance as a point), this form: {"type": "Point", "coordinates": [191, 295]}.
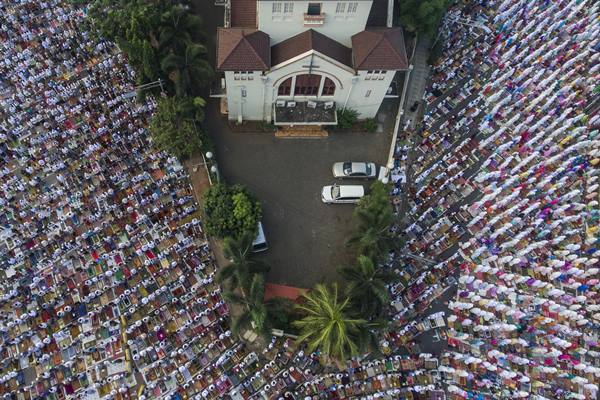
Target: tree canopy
{"type": "Point", "coordinates": [374, 215]}
{"type": "Point", "coordinates": [152, 31]}
{"type": "Point", "coordinates": [328, 323]}
{"type": "Point", "coordinates": [366, 286]}
{"type": "Point", "coordinates": [175, 125]}
{"type": "Point", "coordinates": [422, 16]}
{"type": "Point", "coordinates": [230, 211]}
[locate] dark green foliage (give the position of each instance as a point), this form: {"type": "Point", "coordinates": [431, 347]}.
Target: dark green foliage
{"type": "Point", "coordinates": [230, 211]}
{"type": "Point", "coordinates": [281, 314]}
{"type": "Point", "coordinates": [161, 40]}
{"type": "Point", "coordinates": [175, 126]}
{"type": "Point", "coordinates": [346, 118]}
{"type": "Point", "coordinates": [366, 287]}
{"type": "Point", "coordinates": [374, 215]}
{"type": "Point", "coordinates": [369, 125]}
{"type": "Point", "coordinates": [188, 70]}
{"type": "Point", "coordinates": [422, 16]}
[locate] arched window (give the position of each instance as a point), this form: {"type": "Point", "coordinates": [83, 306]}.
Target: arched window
{"type": "Point", "coordinates": [307, 85]}
{"type": "Point", "coordinates": [285, 87]}
{"type": "Point", "coordinates": [328, 88]}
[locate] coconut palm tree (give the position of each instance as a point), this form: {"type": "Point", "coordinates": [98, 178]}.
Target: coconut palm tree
{"type": "Point", "coordinates": [239, 272]}
{"type": "Point", "coordinates": [178, 28]}
{"type": "Point", "coordinates": [375, 215]}
{"type": "Point", "coordinates": [329, 324]}
{"type": "Point", "coordinates": [189, 70]}
{"type": "Point", "coordinates": [366, 287]}
{"type": "Point", "coordinates": [254, 309]}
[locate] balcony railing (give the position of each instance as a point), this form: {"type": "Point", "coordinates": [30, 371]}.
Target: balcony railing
{"type": "Point", "coordinates": [304, 113]}
{"type": "Point", "coordinates": [314, 20]}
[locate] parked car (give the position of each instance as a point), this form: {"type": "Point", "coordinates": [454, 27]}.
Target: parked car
{"type": "Point", "coordinates": [260, 242]}
{"type": "Point", "coordinates": [342, 194]}
{"type": "Point", "coordinates": [349, 169]}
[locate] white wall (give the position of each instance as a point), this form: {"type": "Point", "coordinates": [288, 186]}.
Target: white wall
{"type": "Point", "coordinates": [367, 107]}
{"type": "Point", "coordinates": [249, 107]}
{"type": "Point", "coordinates": [339, 74]}
{"type": "Point", "coordinates": [337, 26]}
{"type": "Point", "coordinates": [259, 100]}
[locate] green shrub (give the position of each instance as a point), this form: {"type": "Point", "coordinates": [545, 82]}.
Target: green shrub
{"type": "Point", "coordinates": [346, 118]}
{"type": "Point", "coordinates": [230, 211]}
{"type": "Point", "coordinates": [176, 126]}
{"type": "Point", "coordinates": [370, 125]}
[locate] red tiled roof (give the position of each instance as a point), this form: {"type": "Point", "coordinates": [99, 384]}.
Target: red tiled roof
{"type": "Point", "coordinates": [241, 49]}
{"type": "Point", "coordinates": [310, 40]}
{"type": "Point", "coordinates": [379, 49]}
{"type": "Point", "coordinates": [243, 13]}
{"type": "Point", "coordinates": [288, 292]}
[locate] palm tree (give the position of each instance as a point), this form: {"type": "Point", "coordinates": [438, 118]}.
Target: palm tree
{"type": "Point", "coordinates": [367, 287]}
{"type": "Point", "coordinates": [254, 314]}
{"type": "Point", "coordinates": [188, 71]}
{"type": "Point", "coordinates": [328, 323]}
{"type": "Point", "coordinates": [241, 268]}
{"type": "Point", "coordinates": [178, 28]}
{"type": "Point", "coordinates": [375, 215]}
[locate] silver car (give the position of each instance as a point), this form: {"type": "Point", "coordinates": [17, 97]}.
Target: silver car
{"type": "Point", "coordinates": [349, 169]}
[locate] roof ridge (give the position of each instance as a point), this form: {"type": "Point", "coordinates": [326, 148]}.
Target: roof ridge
{"type": "Point", "coordinates": [252, 47]}
{"type": "Point", "coordinates": [372, 48]}
{"type": "Point", "coordinates": [391, 45]}
{"type": "Point", "coordinates": [243, 38]}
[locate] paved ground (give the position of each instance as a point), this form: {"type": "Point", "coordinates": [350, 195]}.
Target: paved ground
{"type": "Point", "coordinates": [306, 237]}
{"type": "Point", "coordinates": [418, 80]}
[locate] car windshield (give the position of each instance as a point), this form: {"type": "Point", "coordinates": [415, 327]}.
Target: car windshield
{"type": "Point", "coordinates": [335, 192]}
{"type": "Point", "coordinates": [347, 168]}
{"type": "Point", "coordinates": [368, 167]}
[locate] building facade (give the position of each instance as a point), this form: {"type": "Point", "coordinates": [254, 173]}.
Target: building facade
{"type": "Point", "coordinates": [297, 62]}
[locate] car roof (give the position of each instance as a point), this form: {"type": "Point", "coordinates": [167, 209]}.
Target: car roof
{"type": "Point", "coordinates": [352, 191]}
{"type": "Point", "coordinates": [260, 236]}
{"type": "Point", "coordinates": [359, 166]}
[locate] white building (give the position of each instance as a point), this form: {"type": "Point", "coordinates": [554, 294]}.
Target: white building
{"type": "Point", "coordinates": [296, 62]}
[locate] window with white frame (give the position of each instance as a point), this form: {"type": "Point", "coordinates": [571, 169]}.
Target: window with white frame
{"type": "Point", "coordinates": [276, 8]}
{"type": "Point", "coordinates": [352, 6]}
{"type": "Point", "coordinates": [288, 8]}
{"type": "Point", "coordinates": [244, 93]}
{"type": "Point", "coordinates": [375, 74]}
{"type": "Point", "coordinates": [340, 8]}
{"type": "Point", "coordinates": [243, 75]}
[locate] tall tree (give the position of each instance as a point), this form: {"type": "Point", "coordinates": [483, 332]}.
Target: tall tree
{"type": "Point", "coordinates": [366, 287]}
{"type": "Point", "coordinates": [178, 29]}
{"type": "Point", "coordinates": [189, 70]}
{"type": "Point", "coordinates": [175, 125]}
{"type": "Point", "coordinates": [254, 309]}
{"type": "Point", "coordinates": [422, 16]}
{"type": "Point", "coordinates": [374, 216]}
{"type": "Point", "coordinates": [328, 323]}
{"type": "Point", "coordinates": [241, 269]}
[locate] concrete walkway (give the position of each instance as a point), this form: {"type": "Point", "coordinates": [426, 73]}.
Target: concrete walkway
{"type": "Point", "coordinates": [418, 81]}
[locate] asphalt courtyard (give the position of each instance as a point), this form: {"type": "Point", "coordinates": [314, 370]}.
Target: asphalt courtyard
{"type": "Point", "coordinates": [306, 237]}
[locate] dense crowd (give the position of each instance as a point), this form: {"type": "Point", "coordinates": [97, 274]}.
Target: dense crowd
{"type": "Point", "coordinates": [505, 176]}
{"type": "Point", "coordinates": [107, 288]}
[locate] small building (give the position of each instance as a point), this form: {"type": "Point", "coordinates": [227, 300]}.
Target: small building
{"type": "Point", "coordinates": [297, 62]}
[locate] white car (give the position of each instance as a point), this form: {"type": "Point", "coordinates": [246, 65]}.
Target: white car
{"type": "Point", "coordinates": [342, 194]}
{"type": "Point", "coordinates": [260, 242]}
{"type": "Point", "coordinates": [349, 169]}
